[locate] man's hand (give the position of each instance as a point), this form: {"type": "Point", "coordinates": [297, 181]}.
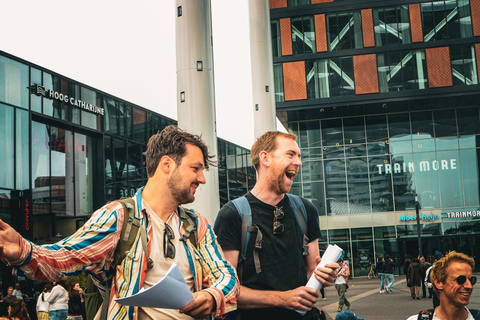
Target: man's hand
{"type": "Point", "coordinates": [9, 242]}
{"type": "Point", "coordinates": [301, 298]}
{"type": "Point", "coordinates": [202, 305]}
{"type": "Point", "coordinates": [326, 274]}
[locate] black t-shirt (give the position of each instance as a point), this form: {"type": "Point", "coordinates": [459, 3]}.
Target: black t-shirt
{"type": "Point", "coordinates": [281, 256]}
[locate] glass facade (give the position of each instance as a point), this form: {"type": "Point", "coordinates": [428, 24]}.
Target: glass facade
{"type": "Point", "coordinates": [68, 149]}
{"type": "Point", "coordinates": [390, 112]}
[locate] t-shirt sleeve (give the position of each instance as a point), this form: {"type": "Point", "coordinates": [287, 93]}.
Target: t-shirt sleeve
{"type": "Point", "coordinates": [228, 227]}
{"type": "Point", "coordinates": [312, 216]}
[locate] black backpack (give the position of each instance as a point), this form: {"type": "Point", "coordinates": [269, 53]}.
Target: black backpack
{"type": "Point", "coordinates": [428, 314]}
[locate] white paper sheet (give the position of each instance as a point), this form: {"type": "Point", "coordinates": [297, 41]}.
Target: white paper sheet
{"type": "Point", "coordinates": [332, 254]}
{"type": "Point", "coordinates": [171, 292]}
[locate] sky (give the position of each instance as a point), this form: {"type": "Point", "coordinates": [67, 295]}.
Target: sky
{"type": "Point", "coordinates": [127, 49]}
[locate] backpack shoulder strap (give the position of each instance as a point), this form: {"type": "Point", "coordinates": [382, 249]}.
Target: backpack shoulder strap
{"type": "Point", "coordinates": [130, 228]}
{"type": "Point", "coordinates": [245, 212]}
{"type": "Point", "coordinates": [301, 216]}
{"type": "Point", "coordinates": [475, 313]}
{"type": "Point", "coordinates": [188, 218]}
{"type": "Point", "coordinates": [426, 314]}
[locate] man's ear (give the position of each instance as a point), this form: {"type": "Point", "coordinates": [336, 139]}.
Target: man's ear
{"type": "Point", "coordinates": [165, 164]}
{"type": "Point", "coordinates": [264, 158]}
{"type": "Point", "coordinates": [437, 284]}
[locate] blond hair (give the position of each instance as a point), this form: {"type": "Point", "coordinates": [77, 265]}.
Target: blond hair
{"type": "Point", "coordinates": [439, 270]}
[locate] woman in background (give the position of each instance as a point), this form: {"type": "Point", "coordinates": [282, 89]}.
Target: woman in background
{"type": "Point", "coordinates": [42, 303]}
{"type": "Point", "coordinates": [76, 302]}
{"type": "Point", "coordinates": [58, 300]}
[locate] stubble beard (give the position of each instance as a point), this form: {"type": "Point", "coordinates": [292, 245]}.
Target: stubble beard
{"type": "Point", "coordinates": [181, 194]}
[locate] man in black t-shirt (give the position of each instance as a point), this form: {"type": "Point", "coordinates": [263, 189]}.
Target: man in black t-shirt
{"type": "Point", "coordinates": [279, 289]}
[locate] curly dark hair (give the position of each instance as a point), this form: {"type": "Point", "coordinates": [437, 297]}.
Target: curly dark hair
{"type": "Point", "coordinates": [172, 141]}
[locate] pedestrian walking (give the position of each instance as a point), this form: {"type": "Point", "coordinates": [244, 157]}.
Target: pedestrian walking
{"type": "Point", "coordinates": [341, 285]}
{"type": "Point", "coordinates": [414, 274]}
{"type": "Point", "coordinates": [388, 268]}
{"type": "Point", "coordinates": [381, 273]}
{"type": "Point", "coordinates": [424, 265]}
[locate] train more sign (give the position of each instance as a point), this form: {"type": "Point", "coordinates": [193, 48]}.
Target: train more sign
{"type": "Point", "coordinates": [402, 167]}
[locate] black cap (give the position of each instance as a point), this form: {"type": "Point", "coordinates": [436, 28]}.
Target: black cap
{"type": "Point", "coordinates": [438, 255]}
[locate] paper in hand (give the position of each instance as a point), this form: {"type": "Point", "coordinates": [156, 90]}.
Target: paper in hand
{"type": "Point", "coordinates": [171, 292]}
{"type": "Point", "coordinates": [332, 254]}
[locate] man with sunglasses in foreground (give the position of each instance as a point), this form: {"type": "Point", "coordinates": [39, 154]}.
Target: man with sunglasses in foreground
{"type": "Point", "coordinates": [273, 279]}
{"type": "Point", "coordinates": [453, 282]}
{"type": "Point", "coordinates": [175, 161]}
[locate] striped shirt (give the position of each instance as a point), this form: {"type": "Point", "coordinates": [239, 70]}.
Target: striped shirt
{"type": "Point", "coordinates": [93, 247]}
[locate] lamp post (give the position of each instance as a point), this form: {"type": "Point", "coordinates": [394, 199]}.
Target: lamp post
{"type": "Point", "coordinates": [419, 234]}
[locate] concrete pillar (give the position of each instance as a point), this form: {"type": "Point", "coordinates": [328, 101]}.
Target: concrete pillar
{"type": "Point", "coordinates": [195, 90]}
{"type": "Point", "coordinates": [262, 67]}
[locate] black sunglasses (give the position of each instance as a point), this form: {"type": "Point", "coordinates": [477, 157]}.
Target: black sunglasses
{"type": "Point", "coordinates": [278, 227]}
{"type": "Point", "coordinates": [462, 279]}
{"type": "Point", "coordinates": [168, 246]}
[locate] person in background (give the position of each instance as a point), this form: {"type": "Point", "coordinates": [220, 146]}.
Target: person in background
{"type": "Point", "coordinates": [388, 268]}
{"type": "Point", "coordinates": [424, 265]}
{"type": "Point", "coordinates": [414, 274]}
{"type": "Point", "coordinates": [16, 311]}
{"type": "Point", "coordinates": [42, 303]}
{"type": "Point", "coordinates": [76, 302]}
{"type": "Point", "coordinates": [381, 273]}
{"type": "Point", "coordinates": [453, 282]}
{"type": "Point", "coordinates": [9, 297]}
{"type": "Point", "coordinates": [429, 281]}
{"type": "Point", "coordinates": [406, 264]}
{"type": "Point", "coordinates": [341, 284]}
{"type": "Point", "coordinates": [58, 301]}
{"type": "Point", "coordinates": [17, 292]}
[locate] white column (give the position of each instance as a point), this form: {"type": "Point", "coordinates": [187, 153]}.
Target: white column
{"type": "Point", "coordinates": [195, 90]}
{"type": "Point", "coordinates": [262, 67]}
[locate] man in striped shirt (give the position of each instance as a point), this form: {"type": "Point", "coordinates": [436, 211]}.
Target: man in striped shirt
{"type": "Point", "coordinates": [175, 161]}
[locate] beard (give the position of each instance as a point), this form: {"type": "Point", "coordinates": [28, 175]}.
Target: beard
{"type": "Point", "coordinates": [179, 192]}
{"type": "Point", "coordinates": [278, 185]}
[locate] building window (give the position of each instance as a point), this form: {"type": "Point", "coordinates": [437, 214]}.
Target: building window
{"type": "Point", "coordinates": [391, 26]}
{"type": "Point", "coordinates": [303, 35]}
{"type": "Point", "coordinates": [344, 31]}
{"type": "Point", "coordinates": [402, 70]}
{"type": "Point", "coordinates": [464, 66]}
{"type": "Point", "coordinates": [276, 40]}
{"type": "Point", "coordinates": [448, 19]}
{"type": "Point", "coordinates": [13, 83]}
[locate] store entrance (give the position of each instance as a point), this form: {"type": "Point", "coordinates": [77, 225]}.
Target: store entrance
{"type": "Point", "coordinates": [65, 179]}
{"type": "Point", "coordinates": [408, 247]}
{"type": "Point", "coordinates": [467, 243]}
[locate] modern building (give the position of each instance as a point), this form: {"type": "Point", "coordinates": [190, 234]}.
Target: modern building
{"type": "Point", "coordinates": [67, 148]}
{"type": "Point", "coordinates": [384, 96]}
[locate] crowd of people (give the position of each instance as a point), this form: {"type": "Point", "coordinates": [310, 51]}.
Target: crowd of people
{"type": "Point", "coordinates": [55, 302]}
{"type": "Point", "coordinates": [253, 263]}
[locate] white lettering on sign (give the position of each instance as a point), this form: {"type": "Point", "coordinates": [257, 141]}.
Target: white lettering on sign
{"type": "Point", "coordinates": [55, 95]}
{"type": "Point", "coordinates": [423, 166]}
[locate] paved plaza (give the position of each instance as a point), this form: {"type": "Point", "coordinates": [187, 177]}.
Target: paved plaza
{"type": "Point", "coordinates": [368, 303]}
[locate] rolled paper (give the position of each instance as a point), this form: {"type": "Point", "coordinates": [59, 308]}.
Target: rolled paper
{"type": "Point", "coordinates": [332, 254]}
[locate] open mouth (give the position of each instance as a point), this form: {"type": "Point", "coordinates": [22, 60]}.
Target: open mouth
{"type": "Point", "coordinates": [291, 174]}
